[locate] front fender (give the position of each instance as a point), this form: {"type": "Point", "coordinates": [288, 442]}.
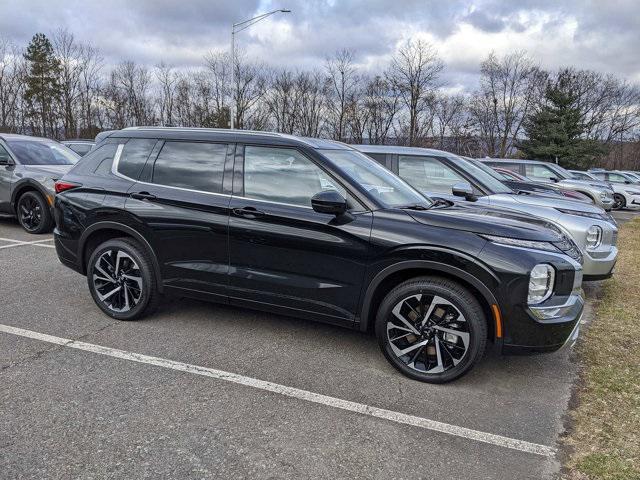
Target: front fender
{"type": "Point", "coordinates": [458, 265]}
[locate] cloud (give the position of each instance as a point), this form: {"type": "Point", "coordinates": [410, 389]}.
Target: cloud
{"type": "Point", "coordinates": [595, 35]}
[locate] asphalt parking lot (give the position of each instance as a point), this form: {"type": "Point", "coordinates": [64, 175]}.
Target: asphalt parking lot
{"type": "Point", "coordinates": [304, 400]}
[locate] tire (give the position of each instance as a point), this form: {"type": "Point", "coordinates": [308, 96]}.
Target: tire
{"type": "Point", "coordinates": [34, 214]}
{"type": "Point", "coordinates": [123, 263]}
{"type": "Point", "coordinates": [619, 202]}
{"type": "Point", "coordinates": [432, 355]}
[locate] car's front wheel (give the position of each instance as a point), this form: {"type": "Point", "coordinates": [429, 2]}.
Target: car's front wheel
{"type": "Point", "coordinates": [33, 213]}
{"type": "Point", "coordinates": [121, 279]}
{"type": "Point", "coordinates": [619, 201]}
{"type": "Point", "coordinates": [431, 329]}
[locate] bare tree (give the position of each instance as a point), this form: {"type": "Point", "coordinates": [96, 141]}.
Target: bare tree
{"type": "Point", "coordinates": [167, 82]}
{"type": "Point", "coordinates": [414, 72]}
{"type": "Point", "coordinates": [69, 54]}
{"type": "Point", "coordinates": [381, 103]}
{"type": "Point", "coordinates": [451, 121]}
{"type": "Point", "coordinates": [510, 88]}
{"type": "Point", "coordinates": [344, 87]}
{"type": "Point", "coordinates": [11, 86]}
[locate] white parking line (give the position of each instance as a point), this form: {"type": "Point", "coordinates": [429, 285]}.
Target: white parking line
{"type": "Point", "coordinates": [306, 395]}
{"type": "Point", "coordinates": [20, 243]}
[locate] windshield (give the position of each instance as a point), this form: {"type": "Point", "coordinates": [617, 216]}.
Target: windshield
{"type": "Point", "coordinates": [483, 174]}
{"type": "Point", "coordinates": [562, 172]}
{"type": "Point", "coordinates": [383, 185]}
{"type": "Point", "coordinates": [36, 152]}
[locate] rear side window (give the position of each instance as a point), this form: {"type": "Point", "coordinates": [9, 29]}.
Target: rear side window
{"type": "Point", "coordinates": [192, 165]}
{"type": "Point", "coordinates": [134, 155]}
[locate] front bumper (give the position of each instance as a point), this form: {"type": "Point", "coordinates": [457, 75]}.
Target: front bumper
{"type": "Point", "coordinates": [599, 264]}
{"type": "Point", "coordinates": [539, 335]}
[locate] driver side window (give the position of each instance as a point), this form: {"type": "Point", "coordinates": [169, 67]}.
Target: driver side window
{"type": "Point", "coordinates": [283, 175]}
{"type": "Point", "coordinates": [428, 174]}
{"type": "Point", "coordinates": [540, 173]}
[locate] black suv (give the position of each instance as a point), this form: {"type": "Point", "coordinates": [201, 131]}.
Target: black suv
{"type": "Point", "coordinates": [315, 229]}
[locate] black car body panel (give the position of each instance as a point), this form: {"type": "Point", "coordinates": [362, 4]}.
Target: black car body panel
{"type": "Point", "coordinates": [291, 259]}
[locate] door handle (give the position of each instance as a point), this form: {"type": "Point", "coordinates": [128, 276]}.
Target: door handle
{"type": "Point", "coordinates": [143, 196]}
{"type": "Point", "coordinates": [248, 212]}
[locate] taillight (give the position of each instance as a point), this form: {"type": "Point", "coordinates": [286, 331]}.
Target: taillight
{"type": "Point", "coordinates": [62, 186]}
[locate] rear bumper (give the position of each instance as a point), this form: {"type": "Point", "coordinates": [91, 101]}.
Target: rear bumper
{"type": "Point", "coordinates": [66, 257]}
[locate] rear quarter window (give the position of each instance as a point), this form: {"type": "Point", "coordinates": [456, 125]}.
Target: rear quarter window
{"type": "Point", "coordinates": [98, 161]}
{"type": "Point", "coordinates": [134, 155]}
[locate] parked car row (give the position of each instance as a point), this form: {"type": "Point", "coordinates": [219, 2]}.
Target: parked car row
{"type": "Point", "coordinates": [432, 252]}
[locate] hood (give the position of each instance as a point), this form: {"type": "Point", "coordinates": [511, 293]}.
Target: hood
{"type": "Point", "coordinates": [557, 202]}
{"type": "Point", "coordinates": [488, 221]}
{"type": "Point", "coordinates": [53, 171]}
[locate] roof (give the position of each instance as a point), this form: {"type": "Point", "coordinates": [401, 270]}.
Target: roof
{"type": "Point", "coordinates": [15, 136]}
{"type": "Point", "coordinates": [401, 150]}
{"type": "Point", "coordinates": [513, 160]}
{"type": "Point", "coordinates": [227, 135]}
{"type": "Point", "coordinates": [77, 140]}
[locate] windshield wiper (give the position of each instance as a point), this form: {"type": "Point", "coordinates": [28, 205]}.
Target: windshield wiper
{"type": "Point", "coordinates": [438, 202]}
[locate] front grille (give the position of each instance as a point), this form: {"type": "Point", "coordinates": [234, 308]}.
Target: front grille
{"type": "Point", "coordinates": [567, 246]}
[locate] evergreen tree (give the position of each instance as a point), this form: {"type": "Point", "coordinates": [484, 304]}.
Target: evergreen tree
{"type": "Point", "coordinates": [555, 130]}
{"type": "Point", "coordinates": [42, 88]}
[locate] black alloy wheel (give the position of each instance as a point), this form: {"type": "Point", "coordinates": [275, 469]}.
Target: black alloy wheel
{"type": "Point", "coordinates": [619, 201]}
{"type": "Point", "coordinates": [431, 329]}
{"type": "Point", "coordinates": [121, 279]}
{"type": "Point", "coordinates": [33, 213]}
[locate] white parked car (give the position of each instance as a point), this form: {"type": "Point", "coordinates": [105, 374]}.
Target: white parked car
{"type": "Point", "coordinates": [625, 193]}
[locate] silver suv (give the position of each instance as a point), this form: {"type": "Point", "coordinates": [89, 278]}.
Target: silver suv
{"type": "Point", "coordinates": [29, 166]}
{"type": "Point", "coordinates": [546, 172]}
{"type": "Point", "coordinates": [445, 175]}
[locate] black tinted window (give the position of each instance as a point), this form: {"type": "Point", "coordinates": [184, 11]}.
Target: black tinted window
{"type": "Point", "coordinates": [196, 166]}
{"type": "Point", "coordinates": [134, 155]}
{"type": "Point", "coordinates": [283, 175]}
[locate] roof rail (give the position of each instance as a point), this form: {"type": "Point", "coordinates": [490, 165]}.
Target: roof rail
{"type": "Point", "coordinates": [213, 130]}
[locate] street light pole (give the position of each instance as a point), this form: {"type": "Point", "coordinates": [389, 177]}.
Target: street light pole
{"type": "Point", "coordinates": [236, 28]}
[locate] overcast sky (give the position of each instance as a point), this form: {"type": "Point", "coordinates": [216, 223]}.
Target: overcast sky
{"type": "Point", "coordinates": [600, 35]}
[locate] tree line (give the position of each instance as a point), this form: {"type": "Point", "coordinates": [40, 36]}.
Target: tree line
{"type": "Point", "coordinates": [62, 88]}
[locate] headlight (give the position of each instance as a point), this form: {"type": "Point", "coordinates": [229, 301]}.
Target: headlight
{"type": "Point", "coordinates": [541, 283]}
{"type": "Point", "coordinates": [594, 237]}
{"type": "Point", "coordinates": [516, 242]}
{"type": "Point", "coordinates": [580, 213]}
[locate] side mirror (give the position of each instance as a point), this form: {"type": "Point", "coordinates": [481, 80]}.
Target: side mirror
{"type": "Point", "coordinates": [6, 161]}
{"type": "Point", "coordinates": [465, 190]}
{"type": "Point", "coordinates": [627, 182]}
{"type": "Point", "coordinates": [329, 201]}
{"type": "Point", "coordinates": [553, 179]}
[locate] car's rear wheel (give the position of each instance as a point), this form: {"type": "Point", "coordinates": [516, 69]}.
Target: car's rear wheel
{"type": "Point", "coordinates": [33, 213]}
{"type": "Point", "coordinates": [121, 279]}
{"type": "Point", "coordinates": [431, 329]}
{"type": "Point", "coordinates": [619, 201]}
